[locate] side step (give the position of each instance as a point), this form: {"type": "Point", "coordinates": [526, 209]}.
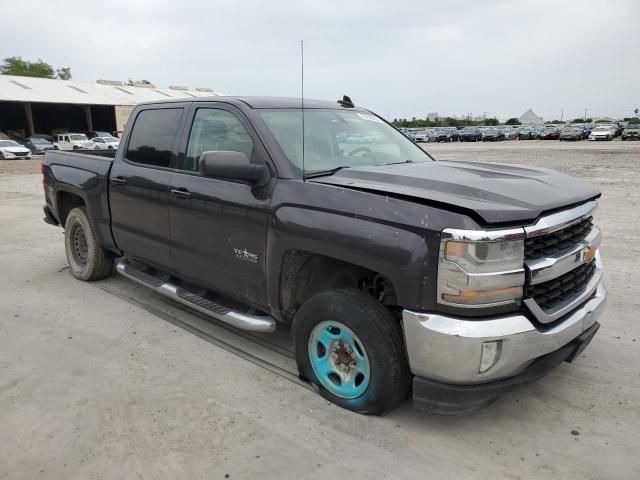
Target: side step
{"type": "Point", "coordinates": [254, 323]}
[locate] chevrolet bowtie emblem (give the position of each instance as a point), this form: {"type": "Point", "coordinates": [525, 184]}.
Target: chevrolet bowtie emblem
{"type": "Point", "coordinates": [587, 254]}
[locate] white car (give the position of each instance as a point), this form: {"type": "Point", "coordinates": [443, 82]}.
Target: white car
{"type": "Point", "coordinates": [10, 150]}
{"type": "Point", "coordinates": [602, 133]}
{"type": "Point", "coordinates": [106, 143]}
{"type": "Point", "coordinates": [72, 141]}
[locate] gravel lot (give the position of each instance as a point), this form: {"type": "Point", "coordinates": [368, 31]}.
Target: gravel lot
{"type": "Point", "coordinates": [95, 386]}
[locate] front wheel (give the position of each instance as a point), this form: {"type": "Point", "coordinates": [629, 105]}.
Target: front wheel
{"type": "Point", "coordinates": [86, 258]}
{"type": "Point", "coordinates": [351, 347]}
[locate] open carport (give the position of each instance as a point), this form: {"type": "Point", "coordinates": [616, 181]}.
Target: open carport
{"type": "Point", "coordinates": [41, 106]}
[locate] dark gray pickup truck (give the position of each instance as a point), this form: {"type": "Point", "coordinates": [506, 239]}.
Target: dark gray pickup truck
{"type": "Point", "coordinates": [454, 280]}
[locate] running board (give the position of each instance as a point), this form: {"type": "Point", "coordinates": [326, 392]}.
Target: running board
{"type": "Point", "coordinates": [254, 323]}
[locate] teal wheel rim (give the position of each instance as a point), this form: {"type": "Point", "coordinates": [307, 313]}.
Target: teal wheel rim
{"type": "Point", "coordinates": [339, 360]}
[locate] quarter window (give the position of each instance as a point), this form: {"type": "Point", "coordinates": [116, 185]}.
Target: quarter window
{"type": "Point", "coordinates": [153, 137]}
{"type": "Point", "coordinates": [212, 130]}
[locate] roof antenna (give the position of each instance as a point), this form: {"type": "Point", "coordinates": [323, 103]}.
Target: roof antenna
{"type": "Point", "coordinates": [302, 98]}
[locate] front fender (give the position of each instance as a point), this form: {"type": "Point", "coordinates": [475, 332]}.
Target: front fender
{"type": "Point", "coordinates": [398, 254]}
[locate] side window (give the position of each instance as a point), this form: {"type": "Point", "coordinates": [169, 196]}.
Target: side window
{"type": "Point", "coordinates": [66, 138]}
{"type": "Point", "coordinates": [153, 136]}
{"type": "Point", "coordinates": [215, 129]}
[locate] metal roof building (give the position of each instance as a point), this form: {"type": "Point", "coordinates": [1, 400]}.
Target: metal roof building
{"type": "Point", "coordinates": [31, 105]}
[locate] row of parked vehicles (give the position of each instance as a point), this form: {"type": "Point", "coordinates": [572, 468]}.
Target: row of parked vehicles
{"type": "Point", "coordinates": [570, 132]}
{"type": "Point", "coordinates": [39, 144]}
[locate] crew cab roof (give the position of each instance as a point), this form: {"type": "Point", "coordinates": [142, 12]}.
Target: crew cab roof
{"type": "Point", "coordinates": [258, 102]}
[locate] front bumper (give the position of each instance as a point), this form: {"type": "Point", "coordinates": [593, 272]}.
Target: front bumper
{"type": "Point", "coordinates": [14, 156]}
{"type": "Point", "coordinates": [447, 399]}
{"type": "Point", "coordinates": [449, 349]}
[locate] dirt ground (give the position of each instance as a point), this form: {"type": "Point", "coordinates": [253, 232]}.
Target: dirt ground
{"type": "Point", "coordinates": [96, 385]}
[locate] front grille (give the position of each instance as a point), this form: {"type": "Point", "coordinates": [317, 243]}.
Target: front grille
{"type": "Point", "coordinates": [549, 294]}
{"type": "Point", "coordinates": [557, 242]}
{"type": "Point", "coordinates": [20, 154]}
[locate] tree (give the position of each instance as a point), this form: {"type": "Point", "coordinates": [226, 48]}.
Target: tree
{"type": "Point", "coordinates": [64, 73]}
{"type": "Point", "coordinates": [491, 122]}
{"type": "Point", "coordinates": [513, 121]}
{"type": "Point", "coordinates": [24, 68]}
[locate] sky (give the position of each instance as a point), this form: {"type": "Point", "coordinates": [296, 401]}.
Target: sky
{"type": "Point", "coordinates": [400, 58]}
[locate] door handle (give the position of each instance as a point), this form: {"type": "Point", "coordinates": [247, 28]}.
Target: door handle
{"type": "Point", "coordinates": [118, 181]}
{"type": "Point", "coordinates": [181, 193]}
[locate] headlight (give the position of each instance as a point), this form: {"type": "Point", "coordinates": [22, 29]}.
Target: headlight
{"type": "Point", "coordinates": [481, 269]}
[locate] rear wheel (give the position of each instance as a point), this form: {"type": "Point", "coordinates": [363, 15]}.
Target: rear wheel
{"type": "Point", "coordinates": [87, 260]}
{"type": "Point", "coordinates": [351, 347]}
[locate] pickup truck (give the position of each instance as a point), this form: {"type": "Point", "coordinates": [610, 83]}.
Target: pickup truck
{"type": "Point", "coordinates": [453, 280]}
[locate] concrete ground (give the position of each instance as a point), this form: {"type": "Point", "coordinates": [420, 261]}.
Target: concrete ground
{"type": "Point", "coordinates": [94, 384]}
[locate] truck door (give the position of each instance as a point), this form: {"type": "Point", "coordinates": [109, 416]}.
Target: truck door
{"type": "Point", "coordinates": [219, 227]}
{"type": "Point", "coordinates": [139, 184]}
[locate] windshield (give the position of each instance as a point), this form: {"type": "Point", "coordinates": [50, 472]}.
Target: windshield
{"type": "Point", "coordinates": [8, 143]}
{"type": "Point", "coordinates": [468, 130]}
{"type": "Point", "coordinates": [78, 136]}
{"type": "Point", "coordinates": [336, 138]}
{"type": "Point", "coordinates": [602, 129]}
{"type": "Point", "coordinates": [110, 139]}
{"type": "Point", "coordinates": [39, 140]}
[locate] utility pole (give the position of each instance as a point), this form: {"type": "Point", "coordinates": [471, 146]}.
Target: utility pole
{"type": "Point", "coordinates": [561, 114]}
{"type": "Point", "coordinates": [585, 114]}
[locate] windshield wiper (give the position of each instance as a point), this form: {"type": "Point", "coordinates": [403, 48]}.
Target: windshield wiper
{"type": "Point", "coordinates": [322, 173]}
{"type": "Point", "coordinates": [399, 163]}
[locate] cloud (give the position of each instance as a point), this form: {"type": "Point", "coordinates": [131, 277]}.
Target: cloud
{"type": "Point", "coordinates": [400, 58]}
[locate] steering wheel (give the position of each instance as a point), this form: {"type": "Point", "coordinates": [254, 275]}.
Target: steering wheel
{"type": "Point", "coordinates": [358, 150]}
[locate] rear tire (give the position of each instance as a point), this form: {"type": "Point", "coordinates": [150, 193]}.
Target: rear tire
{"type": "Point", "coordinates": [343, 336]}
{"type": "Point", "coordinates": [87, 260]}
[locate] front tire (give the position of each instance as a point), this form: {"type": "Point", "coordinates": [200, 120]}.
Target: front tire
{"type": "Point", "coordinates": [351, 347]}
{"type": "Point", "coordinates": [86, 258]}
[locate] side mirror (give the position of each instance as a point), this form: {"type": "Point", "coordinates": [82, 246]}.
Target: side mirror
{"type": "Point", "coordinates": [233, 166]}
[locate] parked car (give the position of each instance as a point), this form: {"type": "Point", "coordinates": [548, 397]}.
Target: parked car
{"type": "Point", "coordinates": [550, 133]}
{"type": "Point", "coordinates": [455, 134]}
{"type": "Point", "coordinates": [460, 279]}
{"type": "Point", "coordinates": [631, 132]}
{"type": "Point", "coordinates": [37, 145]}
{"type": "Point", "coordinates": [11, 150]}
{"type": "Point", "coordinates": [92, 134]}
{"type": "Point", "coordinates": [603, 132]}
{"type": "Point", "coordinates": [470, 134]}
{"type": "Point", "coordinates": [444, 135]}
{"type": "Point", "coordinates": [571, 133]}
{"type": "Point", "coordinates": [492, 135]}
{"type": "Point", "coordinates": [528, 133]}
{"type": "Point", "coordinates": [425, 136]}
{"type": "Point", "coordinates": [106, 143]}
{"type": "Point", "coordinates": [72, 141]}
{"type": "Point", "coordinates": [509, 132]}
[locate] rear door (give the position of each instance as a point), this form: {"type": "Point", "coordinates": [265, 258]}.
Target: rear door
{"type": "Point", "coordinates": [219, 227]}
{"type": "Point", "coordinates": [139, 184]}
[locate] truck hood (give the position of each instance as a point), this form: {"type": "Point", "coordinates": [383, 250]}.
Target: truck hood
{"type": "Point", "coordinates": [495, 192]}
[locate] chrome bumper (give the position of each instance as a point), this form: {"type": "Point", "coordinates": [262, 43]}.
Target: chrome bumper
{"type": "Point", "coordinates": [449, 349]}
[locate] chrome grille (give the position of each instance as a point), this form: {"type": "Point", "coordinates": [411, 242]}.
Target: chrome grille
{"type": "Point", "coordinates": [554, 292]}
{"type": "Point", "coordinates": [554, 243]}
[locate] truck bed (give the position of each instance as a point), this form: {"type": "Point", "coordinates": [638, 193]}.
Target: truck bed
{"type": "Point", "coordinates": [84, 174]}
